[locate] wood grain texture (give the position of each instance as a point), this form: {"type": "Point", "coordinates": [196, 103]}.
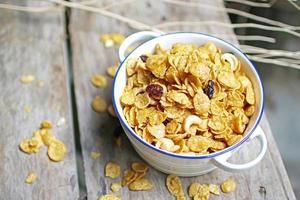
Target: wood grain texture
{"type": "Point", "coordinates": [90, 57]}
{"type": "Point", "coordinates": [34, 44]}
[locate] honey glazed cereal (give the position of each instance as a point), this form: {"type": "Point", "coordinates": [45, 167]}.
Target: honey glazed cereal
{"type": "Point", "coordinates": [189, 99]}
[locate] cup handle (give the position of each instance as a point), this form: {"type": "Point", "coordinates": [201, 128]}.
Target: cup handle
{"type": "Point", "coordinates": [221, 161]}
{"type": "Point", "coordinates": [143, 35]}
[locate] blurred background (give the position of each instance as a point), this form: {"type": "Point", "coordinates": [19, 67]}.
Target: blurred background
{"type": "Point", "coordinates": [282, 84]}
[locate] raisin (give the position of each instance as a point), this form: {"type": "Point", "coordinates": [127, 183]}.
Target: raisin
{"type": "Point", "coordinates": [209, 89]}
{"type": "Point", "coordinates": [144, 58]}
{"type": "Point", "coordinates": [155, 91]}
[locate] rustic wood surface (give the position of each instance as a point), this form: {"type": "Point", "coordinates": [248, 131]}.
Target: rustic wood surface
{"type": "Point", "coordinates": [34, 44]}
{"type": "Point", "coordinates": [268, 180]}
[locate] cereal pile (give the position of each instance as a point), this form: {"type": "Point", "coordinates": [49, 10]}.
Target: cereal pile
{"type": "Point", "coordinates": [189, 99]}
{"type": "Point", "coordinates": [197, 191]}
{"type": "Point", "coordinates": [44, 136]}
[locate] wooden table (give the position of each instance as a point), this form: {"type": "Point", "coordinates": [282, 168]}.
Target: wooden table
{"type": "Point", "coordinates": [64, 52]}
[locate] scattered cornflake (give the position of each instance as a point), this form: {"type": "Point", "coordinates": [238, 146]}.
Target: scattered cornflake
{"type": "Point", "coordinates": [40, 83]}
{"type": "Point", "coordinates": [30, 145]}
{"type": "Point", "coordinates": [47, 136]}
{"type": "Point", "coordinates": [109, 197]}
{"type": "Point", "coordinates": [129, 177]}
{"type": "Point", "coordinates": [111, 111]}
{"type": "Point", "coordinates": [26, 79]}
{"type": "Point", "coordinates": [193, 189]}
{"type": "Point", "coordinates": [99, 104]}
{"type": "Point", "coordinates": [46, 124]}
{"type": "Point", "coordinates": [61, 122]}
{"type": "Point", "coordinates": [119, 141]}
{"type": "Point", "coordinates": [27, 109]}
{"type": "Point", "coordinates": [228, 186]}
{"type": "Point", "coordinates": [57, 150]}
{"type": "Point", "coordinates": [118, 38]}
{"type": "Point", "coordinates": [111, 71]}
{"type": "Point", "coordinates": [214, 189]}
{"type": "Point", "coordinates": [174, 186]}
{"type": "Point", "coordinates": [112, 170]}
{"type": "Point", "coordinates": [115, 187]}
{"type": "Point", "coordinates": [107, 40]}
{"type": "Point", "coordinates": [140, 184]}
{"type": "Point", "coordinates": [95, 155]}
{"type": "Point", "coordinates": [99, 80]}
{"type": "Point", "coordinates": [139, 167]}
{"type": "Point", "coordinates": [203, 193]}
{"type": "Point", "coordinates": [31, 177]}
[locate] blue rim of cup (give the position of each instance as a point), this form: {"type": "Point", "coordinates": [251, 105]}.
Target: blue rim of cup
{"type": "Point", "coordinates": [176, 155]}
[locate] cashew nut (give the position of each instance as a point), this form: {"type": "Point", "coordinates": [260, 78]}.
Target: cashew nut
{"type": "Point", "coordinates": [194, 120]}
{"type": "Point", "coordinates": [166, 144]}
{"type": "Point", "coordinates": [231, 59]}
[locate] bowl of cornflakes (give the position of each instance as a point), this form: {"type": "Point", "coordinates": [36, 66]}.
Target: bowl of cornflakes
{"type": "Point", "coordinates": [188, 101]}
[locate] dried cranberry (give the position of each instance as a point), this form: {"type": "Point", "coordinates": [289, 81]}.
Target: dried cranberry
{"type": "Point", "coordinates": [155, 91]}
{"type": "Point", "coordinates": [209, 89]}
{"type": "Point", "coordinates": [144, 58]}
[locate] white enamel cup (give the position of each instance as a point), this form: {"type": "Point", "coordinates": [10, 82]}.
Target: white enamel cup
{"type": "Point", "coordinates": [189, 165]}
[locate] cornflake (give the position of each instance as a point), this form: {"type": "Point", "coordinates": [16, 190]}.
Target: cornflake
{"type": "Point", "coordinates": [188, 99]}
{"type": "Point", "coordinates": [31, 178]}
{"type": "Point", "coordinates": [140, 184]}
{"type": "Point", "coordinates": [94, 155]}
{"type": "Point", "coordinates": [99, 80]}
{"type": "Point", "coordinates": [111, 111]}
{"type": "Point", "coordinates": [99, 104]}
{"type": "Point", "coordinates": [109, 197]}
{"type": "Point", "coordinates": [57, 150]}
{"type": "Point", "coordinates": [115, 187]}
{"type": "Point", "coordinates": [228, 186]}
{"type": "Point", "coordinates": [214, 189]}
{"type": "Point", "coordinates": [174, 186]}
{"type": "Point", "coordinates": [27, 79]}
{"type": "Point", "coordinates": [46, 124]}
{"type": "Point", "coordinates": [112, 170]}
{"type": "Point", "coordinates": [111, 71]}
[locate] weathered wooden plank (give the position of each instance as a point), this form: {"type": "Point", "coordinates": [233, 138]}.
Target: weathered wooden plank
{"type": "Point", "coordinates": [90, 57]}
{"type": "Point", "coordinates": [34, 44]}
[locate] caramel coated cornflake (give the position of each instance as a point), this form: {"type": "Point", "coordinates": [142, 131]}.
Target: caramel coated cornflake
{"type": "Point", "coordinates": [228, 186]}
{"type": "Point", "coordinates": [115, 187]}
{"type": "Point", "coordinates": [99, 104]}
{"type": "Point", "coordinates": [171, 86]}
{"type": "Point", "coordinates": [112, 170]}
{"type": "Point", "coordinates": [94, 154]}
{"type": "Point", "coordinates": [27, 79]}
{"type": "Point", "coordinates": [99, 80]}
{"type": "Point", "coordinates": [109, 197]}
{"type": "Point", "coordinates": [31, 178]}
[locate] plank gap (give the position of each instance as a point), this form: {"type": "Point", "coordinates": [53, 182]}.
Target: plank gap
{"type": "Point", "coordinates": [74, 112]}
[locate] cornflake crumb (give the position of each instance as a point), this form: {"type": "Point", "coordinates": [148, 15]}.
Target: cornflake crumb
{"type": "Point", "coordinates": [115, 187]}
{"type": "Point", "coordinates": [27, 109]}
{"type": "Point", "coordinates": [228, 186]}
{"type": "Point", "coordinates": [31, 178]}
{"type": "Point", "coordinates": [94, 155]}
{"type": "Point", "coordinates": [27, 79]}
